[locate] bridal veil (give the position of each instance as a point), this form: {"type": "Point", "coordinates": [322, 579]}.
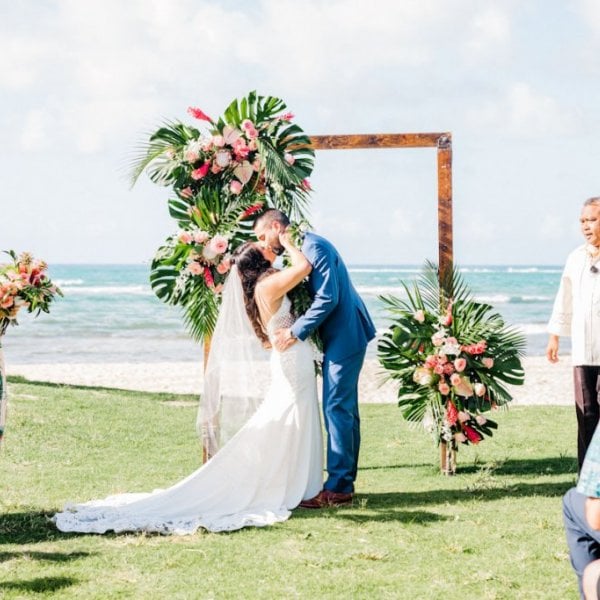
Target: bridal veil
{"type": "Point", "coordinates": [237, 372]}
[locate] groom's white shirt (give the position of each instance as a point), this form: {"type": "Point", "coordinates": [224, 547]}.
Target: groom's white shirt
{"type": "Point", "coordinates": [576, 309]}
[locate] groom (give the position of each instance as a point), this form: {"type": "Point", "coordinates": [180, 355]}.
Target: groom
{"type": "Point", "coordinates": [345, 328]}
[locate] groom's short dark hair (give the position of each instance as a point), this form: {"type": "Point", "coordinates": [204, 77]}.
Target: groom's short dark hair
{"type": "Point", "coordinates": [271, 215]}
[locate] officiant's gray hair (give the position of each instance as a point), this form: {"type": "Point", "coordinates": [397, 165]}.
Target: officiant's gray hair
{"type": "Point", "coordinates": [270, 216]}
{"type": "Point", "coordinates": [593, 200]}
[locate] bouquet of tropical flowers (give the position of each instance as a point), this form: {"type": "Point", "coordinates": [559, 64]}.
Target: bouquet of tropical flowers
{"type": "Point", "coordinates": [451, 356]}
{"type": "Point", "coordinates": [24, 284]}
{"type": "Point", "coordinates": [251, 158]}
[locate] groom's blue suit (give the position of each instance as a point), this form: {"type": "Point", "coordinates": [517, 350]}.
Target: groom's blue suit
{"type": "Point", "coordinates": [345, 328]}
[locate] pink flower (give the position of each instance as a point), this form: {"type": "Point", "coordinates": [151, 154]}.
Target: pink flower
{"type": "Point", "coordinates": [481, 420]}
{"type": "Point", "coordinates": [219, 288]}
{"type": "Point", "coordinates": [201, 172]}
{"type": "Point", "coordinates": [451, 413]}
{"type": "Point", "coordinates": [431, 361]}
{"type": "Point", "coordinates": [247, 124]}
{"type": "Point", "coordinates": [219, 244]}
{"type": "Point", "coordinates": [235, 187]}
{"type": "Point", "coordinates": [437, 339]}
{"type": "Point", "coordinates": [7, 302]}
{"type": "Point", "coordinates": [288, 116]}
{"type": "Point", "coordinates": [455, 379]}
{"type": "Point", "coordinates": [218, 141]}
{"type": "Point", "coordinates": [463, 416]}
{"type": "Point", "coordinates": [240, 149]}
{"type": "Point", "coordinates": [223, 158]}
{"type": "Point", "coordinates": [198, 114]}
{"type": "Point", "coordinates": [306, 185]}
{"type": "Point", "coordinates": [448, 368]}
{"type": "Point", "coordinates": [195, 268]}
{"type": "Point", "coordinates": [289, 158]}
{"type": "Point", "coordinates": [487, 362]}
{"type": "Point", "coordinates": [460, 438]}
{"type": "Point", "coordinates": [479, 389]}
{"type": "Point", "coordinates": [419, 316]}
{"type": "Point", "coordinates": [438, 369]}
{"type": "Point", "coordinates": [252, 209]}
{"type": "Point", "coordinates": [460, 364]}
{"type": "Point", "coordinates": [252, 133]}
{"type": "Point", "coordinates": [223, 267]}
{"type": "Point", "coordinates": [185, 237]}
{"type": "Point", "coordinates": [200, 237]}
{"type": "Point", "coordinates": [444, 388]}
{"type": "Point", "coordinates": [257, 165]}
{"type": "Point", "coordinates": [191, 156]}
{"type": "Point", "coordinates": [215, 169]}
{"type": "Point", "coordinates": [186, 192]}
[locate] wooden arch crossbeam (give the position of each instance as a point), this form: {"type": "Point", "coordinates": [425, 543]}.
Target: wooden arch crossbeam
{"type": "Point", "coordinates": [443, 143]}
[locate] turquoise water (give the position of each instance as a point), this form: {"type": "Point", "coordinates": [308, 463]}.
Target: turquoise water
{"type": "Point", "coordinates": [110, 314]}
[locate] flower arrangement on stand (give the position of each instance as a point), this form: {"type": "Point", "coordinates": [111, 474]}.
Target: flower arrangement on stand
{"type": "Point", "coordinates": [452, 358]}
{"type": "Point", "coordinates": [24, 284]}
{"type": "Point", "coordinates": [222, 177]}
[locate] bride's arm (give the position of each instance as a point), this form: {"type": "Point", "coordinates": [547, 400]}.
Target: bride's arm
{"type": "Point", "coordinates": [278, 284]}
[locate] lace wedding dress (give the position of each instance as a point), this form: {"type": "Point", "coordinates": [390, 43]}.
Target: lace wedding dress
{"type": "Point", "coordinates": [272, 463]}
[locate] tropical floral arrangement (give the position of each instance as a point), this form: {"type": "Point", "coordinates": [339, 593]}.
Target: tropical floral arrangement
{"type": "Point", "coordinates": [451, 356]}
{"type": "Point", "coordinates": [222, 177]}
{"type": "Point", "coordinates": [24, 284]}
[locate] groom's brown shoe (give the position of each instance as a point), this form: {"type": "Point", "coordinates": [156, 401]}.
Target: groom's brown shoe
{"type": "Point", "coordinates": [327, 499]}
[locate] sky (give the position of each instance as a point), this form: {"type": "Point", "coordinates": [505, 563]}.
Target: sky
{"type": "Point", "coordinates": [82, 82]}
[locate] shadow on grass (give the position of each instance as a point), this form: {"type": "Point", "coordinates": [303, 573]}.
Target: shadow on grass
{"type": "Point", "coordinates": [44, 556]}
{"type": "Point", "coordinates": [40, 584]}
{"type": "Point", "coordinates": [161, 395]}
{"type": "Point", "coordinates": [27, 527]}
{"type": "Point", "coordinates": [558, 465]}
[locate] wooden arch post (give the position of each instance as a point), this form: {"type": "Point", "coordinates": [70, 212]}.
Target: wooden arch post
{"type": "Point", "coordinates": [443, 143]}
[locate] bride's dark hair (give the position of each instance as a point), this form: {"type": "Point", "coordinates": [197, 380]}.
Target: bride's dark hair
{"type": "Point", "coordinates": [252, 267]}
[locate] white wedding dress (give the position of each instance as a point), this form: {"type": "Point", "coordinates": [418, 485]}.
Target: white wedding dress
{"type": "Point", "coordinates": [272, 463]}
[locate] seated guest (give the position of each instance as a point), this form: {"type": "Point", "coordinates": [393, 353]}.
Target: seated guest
{"type": "Point", "coordinates": [581, 514]}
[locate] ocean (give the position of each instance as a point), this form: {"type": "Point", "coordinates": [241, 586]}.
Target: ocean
{"type": "Point", "coordinates": [110, 314]}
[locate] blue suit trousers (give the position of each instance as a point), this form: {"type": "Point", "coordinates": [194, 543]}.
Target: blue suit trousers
{"type": "Point", "coordinates": [342, 420]}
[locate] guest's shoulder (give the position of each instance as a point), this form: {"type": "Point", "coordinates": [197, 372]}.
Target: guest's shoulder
{"type": "Point", "coordinates": [576, 255]}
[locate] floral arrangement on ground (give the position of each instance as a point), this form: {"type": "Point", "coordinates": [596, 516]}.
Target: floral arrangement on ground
{"type": "Point", "coordinates": [251, 158]}
{"type": "Point", "coordinates": [452, 357]}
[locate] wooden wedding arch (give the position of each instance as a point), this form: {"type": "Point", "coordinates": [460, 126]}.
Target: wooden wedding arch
{"type": "Point", "coordinates": [443, 143]}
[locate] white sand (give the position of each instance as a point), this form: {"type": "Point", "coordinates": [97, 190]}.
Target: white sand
{"type": "Point", "coordinates": [544, 383]}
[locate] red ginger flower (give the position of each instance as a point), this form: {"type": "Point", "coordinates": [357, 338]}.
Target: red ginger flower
{"type": "Point", "coordinates": [451, 413]}
{"type": "Point", "coordinates": [198, 114]}
{"type": "Point", "coordinates": [471, 434]}
{"type": "Point", "coordinates": [252, 209]}
{"type": "Point", "coordinates": [210, 282]}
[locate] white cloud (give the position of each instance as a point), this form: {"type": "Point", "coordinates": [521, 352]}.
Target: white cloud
{"type": "Point", "coordinates": [33, 135]}
{"type": "Point", "coordinates": [488, 35]}
{"type": "Point", "coordinates": [522, 111]}
{"type": "Point", "coordinates": [591, 13]}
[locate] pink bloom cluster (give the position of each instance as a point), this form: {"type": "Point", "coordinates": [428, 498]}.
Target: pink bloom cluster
{"type": "Point", "coordinates": [207, 257]}
{"type": "Point", "coordinates": [231, 154]}
{"type": "Point", "coordinates": [24, 284]}
{"type": "Point", "coordinates": [451, 369]}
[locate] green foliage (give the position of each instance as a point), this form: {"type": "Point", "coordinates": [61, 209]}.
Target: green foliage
{"type": "Point", "coordinates": [251, 158]}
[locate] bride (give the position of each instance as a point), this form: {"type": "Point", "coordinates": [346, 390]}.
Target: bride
{"type": "Point", "coordinates": [270, 464]}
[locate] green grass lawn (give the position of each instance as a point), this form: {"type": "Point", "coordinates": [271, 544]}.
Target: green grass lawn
{"type": "Point", "coordinates": [492, 531]}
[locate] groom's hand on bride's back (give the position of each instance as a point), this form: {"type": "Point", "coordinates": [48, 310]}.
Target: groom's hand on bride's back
{"type": "Point", "coordinates": [284, 339]}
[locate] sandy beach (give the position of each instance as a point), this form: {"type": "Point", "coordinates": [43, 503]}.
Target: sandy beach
{"type": "Point", "coordinates": [544, 383]}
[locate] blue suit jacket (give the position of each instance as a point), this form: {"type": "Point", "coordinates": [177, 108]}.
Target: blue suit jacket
{"type": "Point", "coordinates": [337, 310]}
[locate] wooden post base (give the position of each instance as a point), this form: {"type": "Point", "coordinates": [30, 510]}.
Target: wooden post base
{"type": "Point", "coordinates": [448, 458]}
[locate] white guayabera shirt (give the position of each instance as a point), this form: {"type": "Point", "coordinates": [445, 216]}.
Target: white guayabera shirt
{"type": "Point", "coordinates": [576, 309]}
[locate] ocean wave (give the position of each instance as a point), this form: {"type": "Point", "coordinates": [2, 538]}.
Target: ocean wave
{"type": "Point", "coordinates": [376, 290]}
{"type": "Point", "coordinates": [118, 290]}
{"type": "Point", "coordinates": [384, 270]}
{"type": "Point", "coordinates": [532, 270]}
{"type": "Point", "coordinates": [508, 299]}
{"type": "Point", "coordinates": [532, 328]}
{"type": "Point", "coordinates": [62, 282]}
